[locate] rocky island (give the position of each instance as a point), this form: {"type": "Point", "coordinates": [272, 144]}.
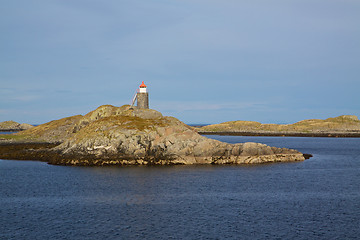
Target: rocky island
{"type": "Point", "coordinates": [12, 126]}
{"type": "Point", "coordinates": [342, 126]}
{"type": "Point", "coordinates": [131, 136]}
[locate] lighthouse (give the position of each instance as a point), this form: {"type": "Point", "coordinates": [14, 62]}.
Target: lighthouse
{"type": "Point", "coordinates": [142, 97]}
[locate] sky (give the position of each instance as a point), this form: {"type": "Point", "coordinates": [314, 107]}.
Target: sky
{"type": "Point", "coordinates": [204, 61]}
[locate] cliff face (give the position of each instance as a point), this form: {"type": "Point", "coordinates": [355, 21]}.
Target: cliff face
{"type": "Point", "coordinates": [344, 123]}
{"type": "Point", "coordinates": [118, 135]}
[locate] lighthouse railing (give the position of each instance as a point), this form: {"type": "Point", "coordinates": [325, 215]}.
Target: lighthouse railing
{"type": "Point", "coordinates": [134, 99]}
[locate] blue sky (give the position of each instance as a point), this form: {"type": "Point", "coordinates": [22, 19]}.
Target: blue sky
{"type": "Point", "coordinates": [204, 61]}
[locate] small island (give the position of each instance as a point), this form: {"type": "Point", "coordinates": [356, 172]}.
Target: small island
{"type": "Point", "coordinates": [342, 126]}
{"type": "Point", "coordinates": [131, 136]}
{"type": "Point", "coordinates": [12, 126]}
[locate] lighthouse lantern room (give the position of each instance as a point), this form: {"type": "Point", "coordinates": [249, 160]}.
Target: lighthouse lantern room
{"type": "Point", "coordinates": [142, 88]}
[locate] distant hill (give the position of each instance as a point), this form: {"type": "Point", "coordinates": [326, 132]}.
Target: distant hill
{"type": "Point", "coordinates": [341, 124]}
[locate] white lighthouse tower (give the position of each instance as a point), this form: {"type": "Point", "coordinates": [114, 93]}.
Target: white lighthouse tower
{"type": "Point", "coordinates": [142, 97]}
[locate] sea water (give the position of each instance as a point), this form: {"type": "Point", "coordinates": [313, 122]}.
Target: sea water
{"type": "Point", "coordinates": [315, 199]}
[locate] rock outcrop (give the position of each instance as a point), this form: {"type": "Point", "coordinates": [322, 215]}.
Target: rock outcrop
{"type": "Point", "coordinates": [120, 136]}
{"type": "Point", "coordinates": [345, 125]}
{"type": "Point", "coordinates": [14, 126]}
{"type": "Point", "coordinates": [54, 131]}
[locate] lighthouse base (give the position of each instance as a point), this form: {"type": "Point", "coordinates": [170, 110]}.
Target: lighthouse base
{"type": "Point", "coordinates": [143, 100]}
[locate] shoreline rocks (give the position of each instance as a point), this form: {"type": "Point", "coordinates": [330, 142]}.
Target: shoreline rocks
{"type": "Point", "coordinates": [45, 152]}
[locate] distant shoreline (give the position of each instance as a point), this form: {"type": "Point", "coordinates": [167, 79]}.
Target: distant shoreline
{"type": "Point", "coordinates": [285, 134]}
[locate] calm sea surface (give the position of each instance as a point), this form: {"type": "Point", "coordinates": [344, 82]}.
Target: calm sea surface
{"type": "Point", "coordinates": [315, 199]}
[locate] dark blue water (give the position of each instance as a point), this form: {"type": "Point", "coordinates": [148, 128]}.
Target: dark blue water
{"type": "Point", "coordinates": [315, 199]}
{"type": "Point", "coordinates": [7, 132]}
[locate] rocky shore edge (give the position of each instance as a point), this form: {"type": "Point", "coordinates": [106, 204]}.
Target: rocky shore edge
{"type": "Point", "coordinates": [44, 151]}
{"type": "Point", "coordinates": [284, 134]}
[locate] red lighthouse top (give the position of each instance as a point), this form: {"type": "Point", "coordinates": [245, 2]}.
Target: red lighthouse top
{"type": "Point", "coordinates": [143, 85]}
